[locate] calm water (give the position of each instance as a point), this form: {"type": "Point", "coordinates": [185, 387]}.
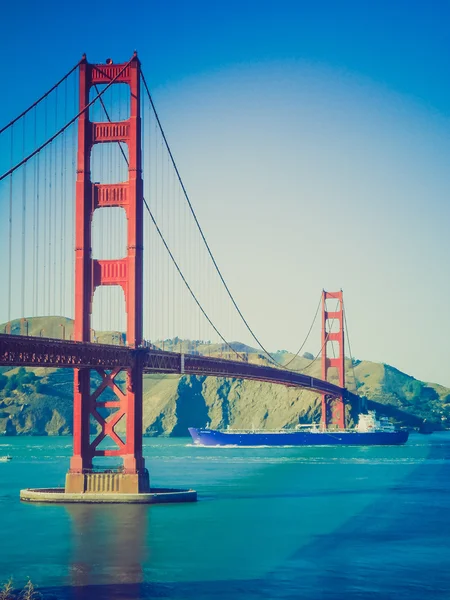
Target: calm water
{"type": "Point", "coordinates": [270, 523]}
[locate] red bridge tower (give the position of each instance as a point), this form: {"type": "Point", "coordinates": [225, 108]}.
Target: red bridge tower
{"type": "Point", "coordinates": [125, 272]}
{"type": "Point", "coordinates": [333, 409]}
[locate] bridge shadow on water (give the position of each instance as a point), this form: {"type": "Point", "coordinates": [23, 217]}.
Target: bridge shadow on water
{"type": "Point", "coordinates": [395, 547]}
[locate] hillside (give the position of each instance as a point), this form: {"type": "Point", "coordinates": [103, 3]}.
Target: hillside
{"type": "Point", "coordinates": [39, 401]}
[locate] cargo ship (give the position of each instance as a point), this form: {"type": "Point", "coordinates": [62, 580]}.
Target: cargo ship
{"type": "Point", "coordinates": [370, 431]}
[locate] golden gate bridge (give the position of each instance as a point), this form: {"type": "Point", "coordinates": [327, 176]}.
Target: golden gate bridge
{"type": "Point", "coordinates": [75, 180]}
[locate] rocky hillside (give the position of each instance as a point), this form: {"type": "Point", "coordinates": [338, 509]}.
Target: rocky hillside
{"type": "Point", "coordinates": [39, 401]}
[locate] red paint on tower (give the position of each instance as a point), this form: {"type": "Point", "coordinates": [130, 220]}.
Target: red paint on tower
{"type": "Point", "coordinates": [125, 272]}
{"type": "Point", "coordinates": [329, 359]}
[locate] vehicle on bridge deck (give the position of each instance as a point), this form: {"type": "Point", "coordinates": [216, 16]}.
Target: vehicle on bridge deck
{"type": "Point", "coordinates": [369, 431]}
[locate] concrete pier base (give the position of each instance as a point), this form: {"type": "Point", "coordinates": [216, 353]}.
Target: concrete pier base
{"type": "Point", "coordinates": [108, 482]}
{"type": "Point", "coordinates": [153, 496]}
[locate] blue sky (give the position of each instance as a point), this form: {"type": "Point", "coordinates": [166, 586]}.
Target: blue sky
{"type": "Point", "coordinates": [343, 108]}
{"type": "Point", "coordinates": [401, 44]}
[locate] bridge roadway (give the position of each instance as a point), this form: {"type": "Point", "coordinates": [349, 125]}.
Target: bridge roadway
{"type": "Point", "coordinates": [16, 350]}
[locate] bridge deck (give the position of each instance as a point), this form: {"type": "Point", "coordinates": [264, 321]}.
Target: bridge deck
{"type": "Point", "coordinates": [47, 352]}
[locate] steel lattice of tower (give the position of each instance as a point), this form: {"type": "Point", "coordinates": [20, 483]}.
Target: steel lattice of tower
{"type": "Point", "coordinates": [333, 331]}
{"type": "Point", "coordinates": [126, 272]}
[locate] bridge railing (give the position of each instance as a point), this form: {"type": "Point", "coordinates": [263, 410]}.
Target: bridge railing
{"type": "Point", "coordinates": [36, 351]}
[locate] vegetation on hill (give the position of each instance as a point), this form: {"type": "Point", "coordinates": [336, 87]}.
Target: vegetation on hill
{"type": "Point", "coordinates": [38, 401]}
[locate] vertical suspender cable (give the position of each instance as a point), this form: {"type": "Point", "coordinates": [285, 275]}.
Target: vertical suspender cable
{"type": "Point", "coordinates": [161, 254]}
{"type": "Point", "coordinates": [349, 348]}
{"type": "Point", "coordinates": [24, 184]}
{"type": "Point", "coordinates": [34, 220]}
{"type": "Point", "coordinates": [159, 312]}
{"type": "Point", "coordinates": [34, 105]}
{"type": "Point", "coordinates": [219, 273]}
{"type": "Point", "coordinates": [176, 240]}
{"type": "Point", "coordinates": [38, 230]}
{"type": "Point", "coordinates": [56, 251]}
{"type": "Point", "coordinates": [10, 230]}
{"type": "Point", "coordinates": [63, 213]}
{"type": "Point", "coordinates": [168, 218]}
{"type": "Point", "coordinates": [199, 276]}
{"type": "Point", "coordinates": [163, 282]}
{"type": "Point", "coordinates": [182, 252]}
{"type": "Point", "coordinates": [44, 252]}
{"type": "Point", "coordinates": [148, 245]}
{"type": "Point", "coordinates": [50, 228]}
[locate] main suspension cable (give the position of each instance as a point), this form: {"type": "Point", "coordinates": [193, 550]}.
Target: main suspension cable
{"type": "Point", "coordinates": [307, 335]}
{"type": "Point", "coordinates": [169, 251]}
{"type": "Point", "coordinates": [40, 99]}
{"type": "Point", "coordinates": [349, 347]}
{"type": "Point", "coordinates": [83, 110]}
{"type": "Point", "coordinates": [324, 343]}
{"type": "Point", "coordinates": [186, 283]}
{"type": "Point", "coordinates": [201, 231]}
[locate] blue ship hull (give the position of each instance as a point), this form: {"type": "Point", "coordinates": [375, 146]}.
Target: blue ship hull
{"type": "Point", "coordinates": [212, 437]}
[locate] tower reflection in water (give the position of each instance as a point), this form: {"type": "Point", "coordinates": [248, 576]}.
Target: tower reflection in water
{"type": "Point", "coordinates": [109, 549]}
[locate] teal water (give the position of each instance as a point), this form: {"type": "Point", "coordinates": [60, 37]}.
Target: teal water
{"type": "Point", "coordinates": [270, 523]}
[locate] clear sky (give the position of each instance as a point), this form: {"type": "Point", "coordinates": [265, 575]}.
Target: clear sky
{"type": "Point", "coordinates": [314, 140]}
